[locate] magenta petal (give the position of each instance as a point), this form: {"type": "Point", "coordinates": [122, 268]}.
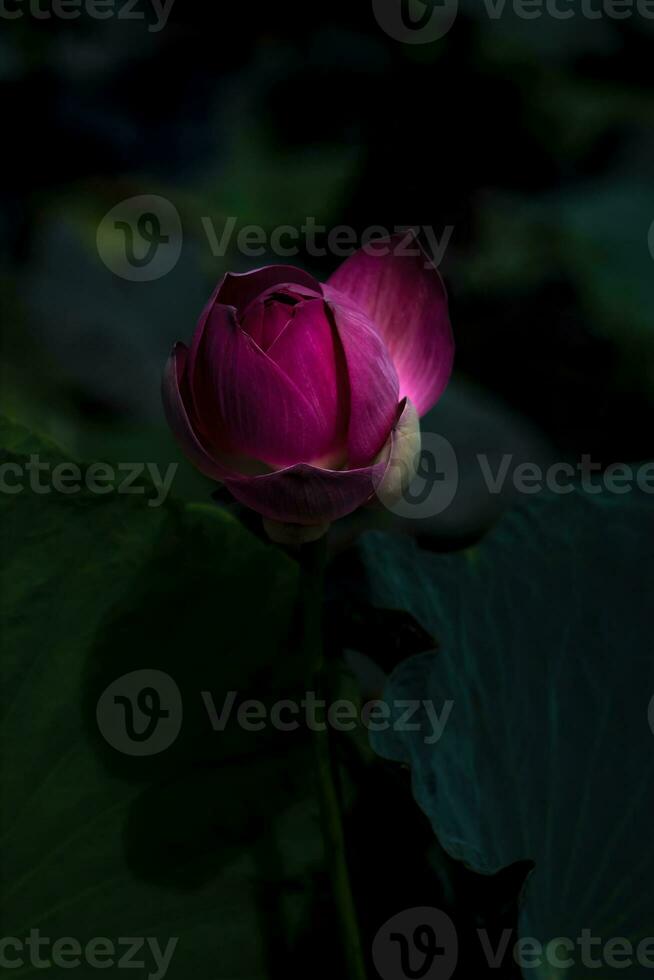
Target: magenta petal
{"type": "Point", "coordinates": [405, 298]}
{"type": "Point", "coordinates": [178, 419]}
{"type": "Point", "coordinates": [373, 379]}
{"type": "Point", "coordinates": [264, 413]}
{"type": "Point", "coordinates": [265, 321]}
{"type": "Point", "coordinates": [306, 494]}
{"type": "Point", "coordinates": [240, 288]}
{"type": "Point", "coordinates": [309, 352]}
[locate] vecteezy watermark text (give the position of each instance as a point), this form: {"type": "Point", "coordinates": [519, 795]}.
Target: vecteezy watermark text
{"type": "Point", "coordinates": [43, 477]}
{"type": "Point", "coordinates": [426, 21]}
{"type": "Point", "coordinates": [140, 239]}
{"type": "Point", "coordinates": [127, 10]}
{"type": "Point", "coordinates": [423, 942]}
{"type": "Point", "coordinates": [567, 9]}
{"type": "Point", "coordinates": [436, 481]}
{"type": "Point", "coordinates": [100, 953]}
{"type": "Point", "coordinates": [342, 715]}
{"type": "Point", "coordinates": [319, 240]}
{"type": "Point", "coordinates": [141, 713]}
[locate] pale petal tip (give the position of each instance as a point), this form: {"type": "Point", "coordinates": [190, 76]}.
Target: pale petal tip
{"type": "Point", "coordinates": [404, 458]}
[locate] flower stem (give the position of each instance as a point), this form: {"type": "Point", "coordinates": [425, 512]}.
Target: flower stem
{"type": "Point", "coordinates": [312, 564]}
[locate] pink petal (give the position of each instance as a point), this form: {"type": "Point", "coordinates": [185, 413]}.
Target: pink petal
{"type": "Point", "coordinates": [374, 384]}
{"type": "Point", "coordinates": [265, 321]}
{"type": "Point", "coordinates": [305, 494]}
{"type": "Point", "coordinates": [265, 414]}
{"type": "Point", "coordinates": [405, 298]}
{"type": "Point", "coordinates": [178, 419]}
{"type": "Point", "coordinates": [308, 495]}
{"type": "Point", "coordinates": [240, 288]}
{"type": "Point", "coordinates": [309, 353]}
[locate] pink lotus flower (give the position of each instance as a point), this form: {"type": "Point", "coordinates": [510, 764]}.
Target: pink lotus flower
{"type": "Point", "coordinates": [302, 397]}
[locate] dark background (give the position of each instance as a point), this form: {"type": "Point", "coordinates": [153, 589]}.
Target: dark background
{"type": "Point", "coordinates": [533, 140]}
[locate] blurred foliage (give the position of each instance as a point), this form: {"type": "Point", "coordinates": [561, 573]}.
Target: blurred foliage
{"type": "Point", "coordinates": [93, 588]}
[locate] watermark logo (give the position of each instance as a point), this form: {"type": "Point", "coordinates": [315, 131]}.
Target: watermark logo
{"type": "Point", "coordinates": [140, 239]}
{"type": "Point", "coordinates": [415, 21]}
{"type": "Point", "coordinates": [434, 486]}
{"type": "Point", "coordinates": [436, 480]}
{"type": "Point", "coordinates": [140, 713]}
{"type": "Point", "coordinates": [416, 944]}
{"type": "Point", "coordinates": [422, 943]}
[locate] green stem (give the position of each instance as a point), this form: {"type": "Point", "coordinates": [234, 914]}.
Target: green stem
{"type": "Point", "coordinates": [312, 564]}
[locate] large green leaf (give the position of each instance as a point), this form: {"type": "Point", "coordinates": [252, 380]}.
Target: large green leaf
{"type": "Point", "coordinates": [100, 843]}
{"type": "Point", "coordinates": [545, 654]}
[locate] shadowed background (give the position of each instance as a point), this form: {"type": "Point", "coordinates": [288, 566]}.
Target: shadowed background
{"type": "Point", "coordinates": [527, 146]}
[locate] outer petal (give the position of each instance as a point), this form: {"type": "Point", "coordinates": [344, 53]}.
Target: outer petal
{"type": "Point", "coordinates": [305, 494]}
{"type": "Point", "coordinates": [240, 288]}
{"type": "Point", "coordinates": [265, 321]}
{"type": "Point", "coordinates": [309, 352]}
{"type": "Point", "coordinates": [265, 414]}
{"type": "Point", "coordinates": [178, 419]}
{"type": "Point", "coordinates": [405, 298]}
{"type": "Point", "coordinates": [374, 384]}
{"type": "Point", "coordinates": [308, 495]}
{"type": "Point", "coordinates": [404, 458]}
